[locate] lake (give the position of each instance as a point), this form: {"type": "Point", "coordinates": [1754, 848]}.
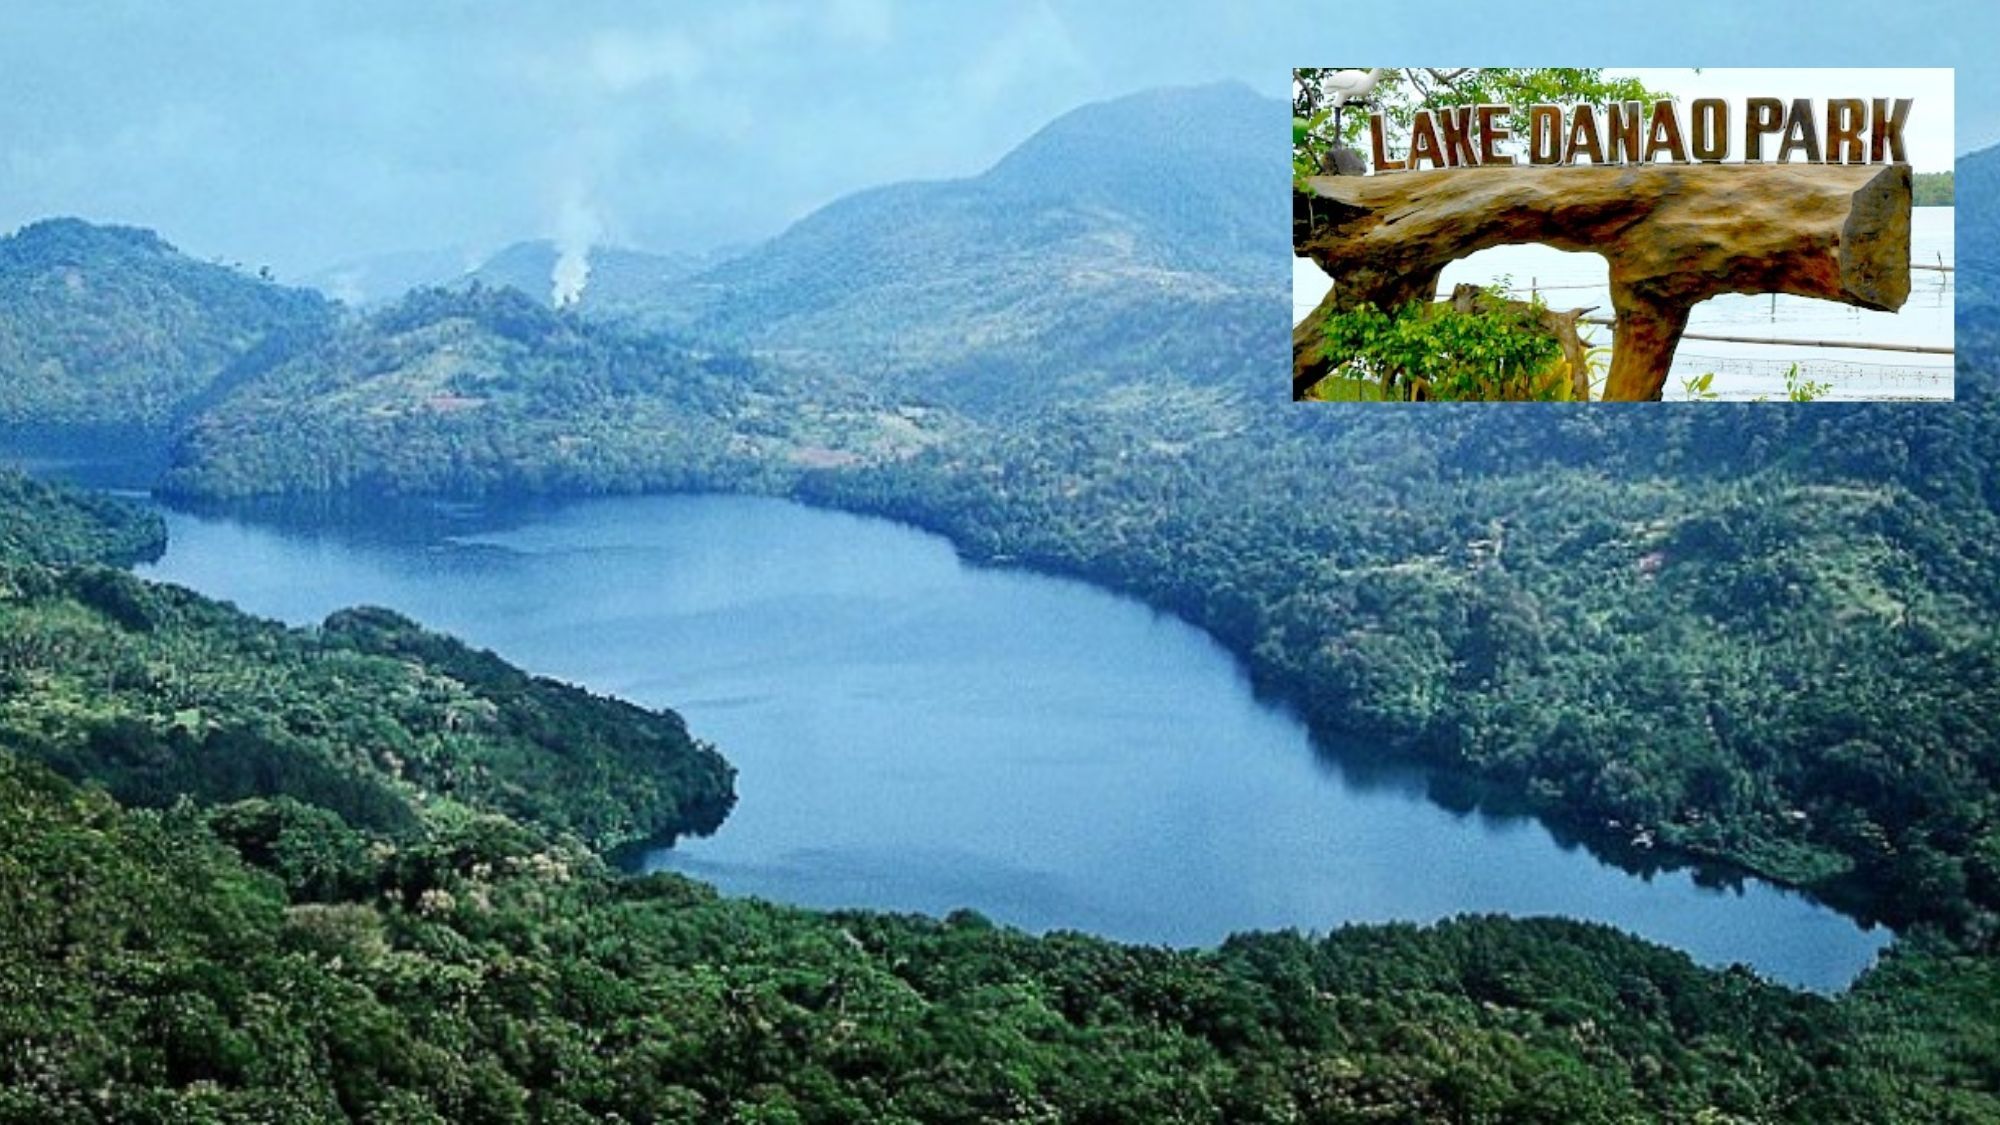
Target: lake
{"type": "Point", "coordinates": [1745, 371]}
{"type": "Point", "coordinates": [915, 733]}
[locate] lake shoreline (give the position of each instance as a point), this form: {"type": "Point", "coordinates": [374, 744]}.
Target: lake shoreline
{"type": "Point", "coordinates": [1446, 786]}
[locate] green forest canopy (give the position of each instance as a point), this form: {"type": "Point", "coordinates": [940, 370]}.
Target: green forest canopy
{"type": "Point", "coordinates": [258, 955]}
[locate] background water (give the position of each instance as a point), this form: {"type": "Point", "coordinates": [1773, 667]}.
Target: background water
{"type": "Point", "coordinates": [1745, 371]}
{"type": "Point", "coordinates": [914, 733]}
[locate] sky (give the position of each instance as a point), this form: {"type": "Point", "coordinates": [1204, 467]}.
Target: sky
{"type": "Point", "coordinates": [303, 134]}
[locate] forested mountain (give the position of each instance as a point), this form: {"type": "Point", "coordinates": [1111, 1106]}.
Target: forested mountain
{"type": "Point", "coordinates": [447, 948]}
{"type": "Point", "coordinates": [480, 390]}
{"type": "Point", "coordinates": [111, 327]}
{"type": "Point", "coordinates": [1127, 242]}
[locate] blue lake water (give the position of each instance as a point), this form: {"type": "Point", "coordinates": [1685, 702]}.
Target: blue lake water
{"type": "Point", "coordinates": [1746, 371]}
{"type": "Point", "coordinates": [914, 733]}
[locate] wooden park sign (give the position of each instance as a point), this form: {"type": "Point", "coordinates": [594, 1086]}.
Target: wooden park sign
{"type": "Point", "coordinates": [1855, 131]}
{"type": "Point", "coordinates": [1819, 208]}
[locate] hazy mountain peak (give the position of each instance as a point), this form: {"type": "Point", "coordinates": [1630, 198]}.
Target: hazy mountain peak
{"type": "Point", "coordinates": [1147, 132]}
{"type": "Point", "coordinates": [1081, 259]}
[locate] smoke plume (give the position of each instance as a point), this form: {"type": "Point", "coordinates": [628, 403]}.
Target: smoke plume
{"type": "Point", "coordinates": [577, 229]}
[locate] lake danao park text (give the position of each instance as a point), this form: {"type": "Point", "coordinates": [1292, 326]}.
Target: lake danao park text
{"type": "Point", "coordinates": [1839, 131]}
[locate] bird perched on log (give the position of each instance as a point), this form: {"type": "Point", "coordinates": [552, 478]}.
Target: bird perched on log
{"type": "Point", "coordinates": [1343, 88]}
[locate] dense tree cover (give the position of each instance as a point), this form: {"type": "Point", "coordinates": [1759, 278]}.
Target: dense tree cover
{"type": "Point", "coordinates": [1498, 351]}
{"type": "Point", "coordinates": [263, 960]}
{"type": "Point", "coordinates": [1932, 189]}
{"type": "Point", "coordinates": [1779, 651]}
{"type": "Point", "coordinates": [1761, 634]}
{"type": "Point", "coordinates": [484, 390]}
{"type": "Point", "coordinates": [103, 326]}
{"type": "Point", "coordinates": [366, 894]}
{"type": "Point", "coordinates": [158, 693]}
{"type": "Point", "coordinates": [43, 524]}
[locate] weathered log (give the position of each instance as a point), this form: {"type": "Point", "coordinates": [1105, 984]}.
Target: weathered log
{"type": "Point", "coordinates": [1674, 235]}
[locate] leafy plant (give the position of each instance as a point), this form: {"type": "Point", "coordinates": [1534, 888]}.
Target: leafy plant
{"type": "Point", "coordinates": [1798, 388]}
{"type": "Point", "coordinates": [1700, 386]}
{"type": "Point", "coordinates": [1499, 352]}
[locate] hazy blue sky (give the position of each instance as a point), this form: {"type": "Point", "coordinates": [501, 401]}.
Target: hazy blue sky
{"type": "Point", "coordinates": [300, 134]}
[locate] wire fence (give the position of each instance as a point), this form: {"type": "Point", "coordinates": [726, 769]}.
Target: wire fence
{"type": "Point", "coordinates": [1846, 369]}
{"type": "Point", "coordinates": [1742, 378]}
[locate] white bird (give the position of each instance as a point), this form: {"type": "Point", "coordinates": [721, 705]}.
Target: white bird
{"type": "Point", "coordinates": [1344, 86]}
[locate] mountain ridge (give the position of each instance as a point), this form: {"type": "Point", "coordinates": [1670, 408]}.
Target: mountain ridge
{"type": "Point", "coordinates": [1076, 261]}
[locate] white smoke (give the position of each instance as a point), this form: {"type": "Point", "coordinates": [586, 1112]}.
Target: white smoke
{"type": "Point", "coordinates": [577, 229]}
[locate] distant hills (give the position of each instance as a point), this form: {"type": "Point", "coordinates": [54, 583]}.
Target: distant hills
{"type": "Point", "coordinates": [105, 326]}
{"type": "Point", "coordinates": [479, 389]}
{"type": "Point", "coordinates": [620, 278]}
{"type": "Point", "coordinates": [379, 279]}
{"type": "Point", "coordinates": [1128, 240]}
{"type": "Point", "coordinates": [1124, 253]}
{"type": "Point", "coordinates": [1116, 259]}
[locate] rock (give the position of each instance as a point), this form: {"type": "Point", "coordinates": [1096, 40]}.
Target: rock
{"type": "Point", "coordinates": [1344, 162]}
{"type": "Point", "coordinates": [1674, 235]}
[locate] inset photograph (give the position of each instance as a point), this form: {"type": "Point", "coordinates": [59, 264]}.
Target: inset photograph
{"type": "Point", "coordinates": [1637, 235]}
